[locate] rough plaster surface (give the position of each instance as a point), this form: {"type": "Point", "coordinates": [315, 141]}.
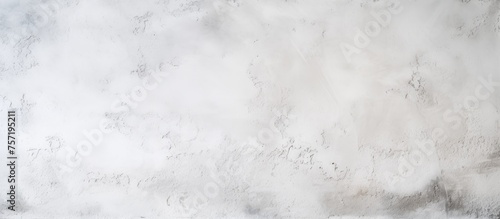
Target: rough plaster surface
{"type": "Point", "coordinates": [260, 109]}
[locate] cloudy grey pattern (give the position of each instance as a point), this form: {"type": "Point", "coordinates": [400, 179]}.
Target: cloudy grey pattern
{"type": "Point", "coordinates": [252, 109]}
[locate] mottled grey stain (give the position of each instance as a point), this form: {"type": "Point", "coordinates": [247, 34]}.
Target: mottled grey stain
{"type": "Point", "coordinates": [252, 210]}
